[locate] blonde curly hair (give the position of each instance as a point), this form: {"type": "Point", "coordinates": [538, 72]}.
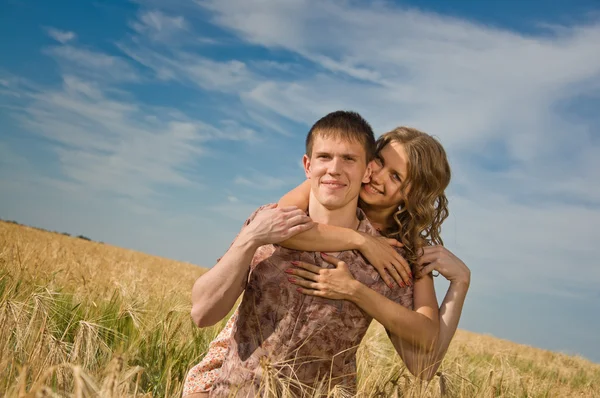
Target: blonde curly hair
{"type": "Point", "coordinates": [419, 218]}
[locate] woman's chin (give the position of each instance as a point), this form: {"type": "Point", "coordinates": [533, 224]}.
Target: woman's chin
{"type": "Point", "coordinates": [366, 197]}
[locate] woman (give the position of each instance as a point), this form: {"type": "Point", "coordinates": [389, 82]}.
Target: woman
{"type": "Point", "coordinates": [405, 201]}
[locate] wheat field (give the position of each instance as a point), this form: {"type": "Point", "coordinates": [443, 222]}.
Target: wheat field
{"type": "Point", "coordinates": [84, 319]}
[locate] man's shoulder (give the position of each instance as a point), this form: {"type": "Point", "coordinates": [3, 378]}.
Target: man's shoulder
{"type": "Point", "coordinates": [256, 212]}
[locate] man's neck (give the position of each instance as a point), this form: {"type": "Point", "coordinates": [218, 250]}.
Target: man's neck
{"type": "Point", "coordinates": [379, 217]}
{"type": "Point", "coordinates": [342, 217]}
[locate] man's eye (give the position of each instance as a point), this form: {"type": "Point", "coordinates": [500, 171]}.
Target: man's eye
{"type": "Point", "coordinates": [349, 159]}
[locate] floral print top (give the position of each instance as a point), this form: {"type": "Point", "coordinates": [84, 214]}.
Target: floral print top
{"type": "Point", "coordinates": [283, 339]}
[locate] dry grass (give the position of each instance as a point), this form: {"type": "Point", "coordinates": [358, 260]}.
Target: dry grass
{"type": "Point", "coordinates": [82, 319]}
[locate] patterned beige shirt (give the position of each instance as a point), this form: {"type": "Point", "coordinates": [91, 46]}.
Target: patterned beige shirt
{"type": "Point", "coordinates": [283, 339]}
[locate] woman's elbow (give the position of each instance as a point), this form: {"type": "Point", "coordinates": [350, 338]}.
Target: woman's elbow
{"type": "Point", "coordinates": [201, 317]}
{"type": "Point", "coordinates": [428, 341]}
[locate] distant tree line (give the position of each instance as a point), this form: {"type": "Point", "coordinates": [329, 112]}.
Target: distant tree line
{"type": "Point", "coordinates": [46, 230]}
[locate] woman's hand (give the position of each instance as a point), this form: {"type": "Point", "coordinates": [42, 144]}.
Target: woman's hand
{"type": "Point", "coordinates": [380, 253]}
{"type": "Point", "coordinates": [332, 283]}
{"type": "Point", "coordinates": [440, 259]}
{"type": "Point", "coordinates": [276, 224]}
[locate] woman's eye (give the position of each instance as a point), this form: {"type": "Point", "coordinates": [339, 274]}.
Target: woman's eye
{"type": "Point", "coordinates": [396, 177]}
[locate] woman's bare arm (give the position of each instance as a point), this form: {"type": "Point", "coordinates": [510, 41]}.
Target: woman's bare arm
{"type": "Point", "coordinates": [328, 238]}
{"type": "Point", "coordinates": [425, 365]}
{"type": "Point", "coordinates": [420, 326]}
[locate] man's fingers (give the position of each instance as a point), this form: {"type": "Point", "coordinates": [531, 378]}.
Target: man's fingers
{"type": "Point", "coordinates": [299, 228]}
{"type": "Point", "coordinates": [299, 219]}
{"type": "Point", "coordinates": [428, 258]}
{"type": "Point", "coordinates": [429, 269]}
{"type": "Point", "coordinates": [288, 209]}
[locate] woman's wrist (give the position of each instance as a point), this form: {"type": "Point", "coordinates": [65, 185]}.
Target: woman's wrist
{"type": "Point", "coordinates": [356, 292]}
{"type": "Point", "coordinates": [359, 240]}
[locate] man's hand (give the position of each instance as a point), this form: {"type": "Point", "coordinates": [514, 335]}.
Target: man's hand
{"type": "Point", "coordinates": [276, 224]}
{"type": "Point", "coordinates": [440, 259]}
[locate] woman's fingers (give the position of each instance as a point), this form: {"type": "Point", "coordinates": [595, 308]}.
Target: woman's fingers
{"type": "Point", "coordinates": [403, 267]}
{"type": "Point", "coordinates": [311, 292]}
{"type": "Point", "coordinates": [332, 260]}
{"type": "Point", "coordinates": [394, 242]}
{"type": "Point", "coordinates": [304, 274]}
{"type": "Point", "coordinates": [385, 276]}
{"type": "Point", "coordinates": [309, 267]}
{"type": "Point", "coordinates": [397, 277]}
{"type": "Point", "coordinates": [304, 283]}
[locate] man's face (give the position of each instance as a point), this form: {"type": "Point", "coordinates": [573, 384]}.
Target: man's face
{"type": "Point", "coordinates": [336, 170]}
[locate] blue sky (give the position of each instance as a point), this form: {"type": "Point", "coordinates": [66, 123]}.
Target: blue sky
{"type": "Point", "coordinates": [160, 125]}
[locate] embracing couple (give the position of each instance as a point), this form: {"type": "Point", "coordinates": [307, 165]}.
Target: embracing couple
{"type": "Point", "coordinates": [357, 241]}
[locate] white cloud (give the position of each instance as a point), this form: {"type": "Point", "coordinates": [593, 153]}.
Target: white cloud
{"type": "Point", "coordinates": [93, 64]}
{"type": "Point", "coordinates": [524, 197]}
{"type": "Point", "coordinates": [260, 181]}
{"type": "Point", "coordinates": [489, 94]}
{"type": "Point", "coordinates": [109, 144]}
{"type": "Point", "coordinates": [60, 35]}
{"type": "Point", "coordinates": [158, 26]}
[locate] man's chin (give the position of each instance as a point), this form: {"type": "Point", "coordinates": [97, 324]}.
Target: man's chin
{"type": "Point", "coordinates": [331, 203]}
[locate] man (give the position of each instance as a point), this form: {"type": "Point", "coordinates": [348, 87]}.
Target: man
{"type": "Point", "coordinates": [283, 339]}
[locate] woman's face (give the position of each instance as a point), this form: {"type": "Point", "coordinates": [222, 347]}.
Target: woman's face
{"type": "Point", "coordinates": [388, 170]}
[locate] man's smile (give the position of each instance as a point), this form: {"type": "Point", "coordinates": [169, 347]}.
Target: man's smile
{"type": "Point", "coordinates": [333, 184]}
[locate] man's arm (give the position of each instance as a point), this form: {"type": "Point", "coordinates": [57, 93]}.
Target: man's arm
{"type": "Point", "coordinates": [215, 293]}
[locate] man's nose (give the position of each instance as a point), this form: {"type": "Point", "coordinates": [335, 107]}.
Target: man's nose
{"type": "Point", "coordinates": [335, 166]}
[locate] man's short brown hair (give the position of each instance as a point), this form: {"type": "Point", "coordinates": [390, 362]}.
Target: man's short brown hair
{"type": "Point", "coordinates": [345, 125]}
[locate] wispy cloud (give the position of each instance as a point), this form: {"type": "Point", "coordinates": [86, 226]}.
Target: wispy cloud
{"type": "Point", "coordinates": [93, 64]}
{"type": "Point", "coordinates": [157, 26]}
{"type": "Point", "coordinates": [260, 181]}
{"type": "Point", "coordinates": [239, 82]}
{"type": "Point", "coordinates": [489, 94]}
{"type": "Point", "coordinates": [61, 35]}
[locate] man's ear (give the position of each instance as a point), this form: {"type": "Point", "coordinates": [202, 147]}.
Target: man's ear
{"type": "Point", "coordinates": [306, 164]}
{"type": "Point", "coordinates": [367, 177]}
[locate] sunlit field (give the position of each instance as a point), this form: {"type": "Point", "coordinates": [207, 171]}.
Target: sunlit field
{"type": "Point", "coordinates": [80, 319]}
